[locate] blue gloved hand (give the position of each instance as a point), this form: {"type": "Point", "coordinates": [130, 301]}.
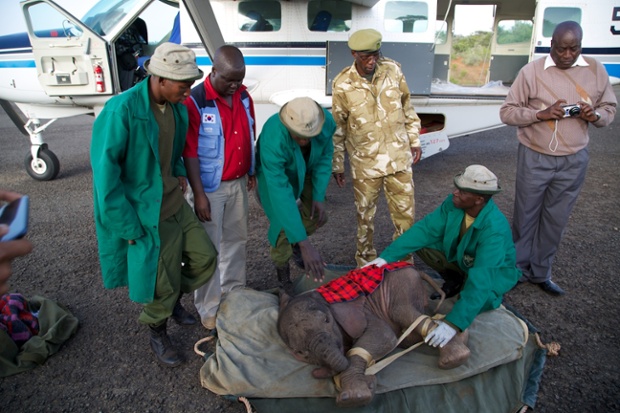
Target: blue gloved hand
{"type": "Point", "coordinates": [441, 335]}
{"type": "Point", "coordinates": [377, 261]}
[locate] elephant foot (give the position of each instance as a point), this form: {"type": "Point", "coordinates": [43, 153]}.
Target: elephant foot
{"type": "Point", "coordinates": [357, 392]}
{"type": "Point", "coordinates": [455, 352]}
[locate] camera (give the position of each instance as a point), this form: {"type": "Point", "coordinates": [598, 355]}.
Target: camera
{"type": "Point", "coordinates": [15, 215]}
{"type": "Point", "coordinates": [571, 110]}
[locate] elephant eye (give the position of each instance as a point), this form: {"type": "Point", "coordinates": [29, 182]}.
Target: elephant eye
{"type": "Point", "coordinates": [327, 319]}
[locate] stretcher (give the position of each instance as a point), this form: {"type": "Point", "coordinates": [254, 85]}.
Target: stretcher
{"type": "Point", "coordinates": [250, 360]}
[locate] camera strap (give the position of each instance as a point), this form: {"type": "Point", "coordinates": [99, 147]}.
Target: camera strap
{"type": "Point", "coordinates": [553, 143]}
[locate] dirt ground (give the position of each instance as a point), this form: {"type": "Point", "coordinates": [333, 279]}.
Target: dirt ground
{"type": "Point", "coordinates": [108, 366]}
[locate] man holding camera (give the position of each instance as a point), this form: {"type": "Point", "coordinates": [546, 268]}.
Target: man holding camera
{"type": "Point", "coordinates": [552, 101]}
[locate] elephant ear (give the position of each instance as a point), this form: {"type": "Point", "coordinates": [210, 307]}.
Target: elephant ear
{"type": "Point", "coordinates": [350, 315]}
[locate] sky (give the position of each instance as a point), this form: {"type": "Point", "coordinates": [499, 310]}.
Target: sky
{"type": "Point", "coordinates": [471, 18]}
{"type": "Point", "coordinates": [12, 19]}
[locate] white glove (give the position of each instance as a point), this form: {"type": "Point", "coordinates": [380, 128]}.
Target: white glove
{"type": "Point", "coordinates": [441, 335]}
{"type": "Point", "coordinates": [377, 261]}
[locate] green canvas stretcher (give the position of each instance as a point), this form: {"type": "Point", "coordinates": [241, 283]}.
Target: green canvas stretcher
{"type": "Point", "coordinates": [251, 360]}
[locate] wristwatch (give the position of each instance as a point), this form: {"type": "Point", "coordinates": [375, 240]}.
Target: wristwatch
{"type": "Point", "coordinates": [598, 116]}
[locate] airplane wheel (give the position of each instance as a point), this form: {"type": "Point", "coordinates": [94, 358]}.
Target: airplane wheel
{"type": "Point", "coordinates": [45, 167]}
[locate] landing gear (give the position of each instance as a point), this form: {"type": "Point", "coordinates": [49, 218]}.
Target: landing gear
{"type": "Point", "coordinates": [41, 163]}
{"type": "Point", "coordinates": [44, 167]}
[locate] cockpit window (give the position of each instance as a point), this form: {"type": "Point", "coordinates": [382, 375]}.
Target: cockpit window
{"type": "Point", "coordinates": [260, 16]}
{"type": "Point", "coordinates": [106, 14]}
{"type": "Point", "coordinates": [406, 16]}
{"type": "Point", "coordinates": [329, 16]}
{"type": "Point", "coordinates": [46, 21]}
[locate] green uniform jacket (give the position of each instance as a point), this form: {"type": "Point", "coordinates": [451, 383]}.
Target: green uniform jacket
{"type": "Point", "coordinates": [128, 188]}
{"type": "Point", "coordinates": [281, 169]}
{"type": "Point", "coordinates": [486, 254]}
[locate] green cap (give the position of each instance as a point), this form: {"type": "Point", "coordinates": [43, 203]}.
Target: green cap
{"type": "Point", "coordinates": [365, 40]}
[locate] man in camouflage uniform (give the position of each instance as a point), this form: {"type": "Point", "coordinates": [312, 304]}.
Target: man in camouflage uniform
{"type": "Point", "coordinates": [379, 128]}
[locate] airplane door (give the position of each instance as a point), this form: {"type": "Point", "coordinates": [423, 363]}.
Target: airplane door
{"type": "Point", "coordinates": [69, 57]}
{"type": "Point", "coordinates": [510, 49]}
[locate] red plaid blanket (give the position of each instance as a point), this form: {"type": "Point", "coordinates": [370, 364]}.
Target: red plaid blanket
{"type": "Point", "coordinates": [17, 319]}
{"type": "Point", "coordinates": [357, 282]}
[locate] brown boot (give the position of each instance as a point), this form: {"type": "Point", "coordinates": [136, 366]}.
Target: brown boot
{"type": "Point", "coordinates": [162, 347]}
{"type": "Point", "coordinates": [181, 315]}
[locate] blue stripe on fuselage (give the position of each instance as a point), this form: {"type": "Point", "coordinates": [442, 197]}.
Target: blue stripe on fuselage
{"type": "Point", "coordinates": [273, 61]}
{"type": "Point", "coordinates": [586, 50]}
{"type": "Point", "coordinates": [613, 69]}
{"type": "Point", "coordinates": [14, 41]}
{"type": "Point", "coordinates": [14, 64]}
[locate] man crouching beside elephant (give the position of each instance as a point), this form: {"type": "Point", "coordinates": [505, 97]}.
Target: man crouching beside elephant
{"type": "Point", "coordinates": [467, 240]}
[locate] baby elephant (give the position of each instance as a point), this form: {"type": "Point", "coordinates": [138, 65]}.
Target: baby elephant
{"type": "Point", "coordinates": [343, 337]}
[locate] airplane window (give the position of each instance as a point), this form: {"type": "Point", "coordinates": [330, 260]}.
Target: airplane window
{"type": "Point", "coordinates": [137, 42]}
{"type": "Point", "coordinates": [105, 15]}
{"type": "Point", "coordinates": [514, 31]}
{"type": "Point", "coordinates": [159, 18]}
{"type": "Point", "coordinates": [406, 16]}
{"type": "Point", "coordinates": [46, 21]}
{"type": "Point", "coordinates": [260, 16]}
{"type": "Point", "coordinates": [329, 16]}
{"type": "Point", "coordinates": [556, 15]}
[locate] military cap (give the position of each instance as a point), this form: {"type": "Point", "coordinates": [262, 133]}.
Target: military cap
{"type": "Point", "coordinates": [365, 40]}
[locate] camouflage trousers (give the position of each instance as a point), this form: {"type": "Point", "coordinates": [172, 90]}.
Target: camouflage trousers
{"type": "Point", "coordinates": [399, 193]}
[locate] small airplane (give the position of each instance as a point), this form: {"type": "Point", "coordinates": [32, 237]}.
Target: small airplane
{"type": "Point", "coordinates": [64, 66]}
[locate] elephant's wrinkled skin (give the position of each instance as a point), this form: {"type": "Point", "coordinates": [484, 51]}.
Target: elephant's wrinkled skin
{"type": "Point", "coordinates": [320, 333]}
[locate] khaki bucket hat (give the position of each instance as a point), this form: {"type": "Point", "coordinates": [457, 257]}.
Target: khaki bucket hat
{"type": "Point", "coordinates": [175, 62]}
{"type": "Point", "coordinates": [477, 179]}
{"type": "Point", "coordinates": [303, 117]}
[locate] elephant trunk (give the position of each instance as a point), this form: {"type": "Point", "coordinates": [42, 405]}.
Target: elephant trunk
{"type": "Point", "coordinates": [329, 353]}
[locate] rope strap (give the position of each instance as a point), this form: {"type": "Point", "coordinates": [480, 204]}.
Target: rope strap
{"type": "Point", "coordinates": [199, 342]}
{"type": "Point", "coordinates": [246, 402]}
{"type": "Point", "coordinates": [427, 326]}
{"type": "Point", "coordinates": [355, 351]}
{"type": "Point", "coordinates": [553, 348]}
{"type": "Point", "coordinates": [360, 352]}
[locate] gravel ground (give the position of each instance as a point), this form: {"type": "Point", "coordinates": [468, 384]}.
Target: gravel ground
{"type": "Point", "coordinates": [108, 367]}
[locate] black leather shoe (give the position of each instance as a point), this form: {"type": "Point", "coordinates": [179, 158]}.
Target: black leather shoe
{"type": "Point", "coordinates": [182, 316]}
{"type": "Point", "coordinates": [551, 288]}
{"type": "Point", "coordinates": [162, 347]}
{"type": "Point", "coordinates": [297, 258]}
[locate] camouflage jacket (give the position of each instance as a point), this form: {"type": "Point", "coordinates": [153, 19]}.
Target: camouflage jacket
{"type": "Point", "coordinates": [375, 121]}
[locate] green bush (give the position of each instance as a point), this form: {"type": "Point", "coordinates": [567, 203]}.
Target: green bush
{"type": "Point", "coordinates": [474, 49]}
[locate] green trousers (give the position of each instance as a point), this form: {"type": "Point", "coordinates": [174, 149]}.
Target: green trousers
{"type": "Point", "coordinates": [187, 260]}
{"type": "Point", "coordinates": [282, 252]}
{"type": "Point", "coordinates": [437, 260]}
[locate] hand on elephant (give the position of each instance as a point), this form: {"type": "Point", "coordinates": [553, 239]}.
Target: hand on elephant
{"type": "Point", "coordinates": [441, 335]}
{"type": "Point", "coordinates": [313, 263]}
{"type": "Point", "coordinates": [377, 261]}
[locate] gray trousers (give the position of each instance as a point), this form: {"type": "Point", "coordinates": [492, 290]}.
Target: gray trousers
{"type": "Point", "coordinates": [546, 190]}
{"type": "Point", "coordinates": [228, 230]}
